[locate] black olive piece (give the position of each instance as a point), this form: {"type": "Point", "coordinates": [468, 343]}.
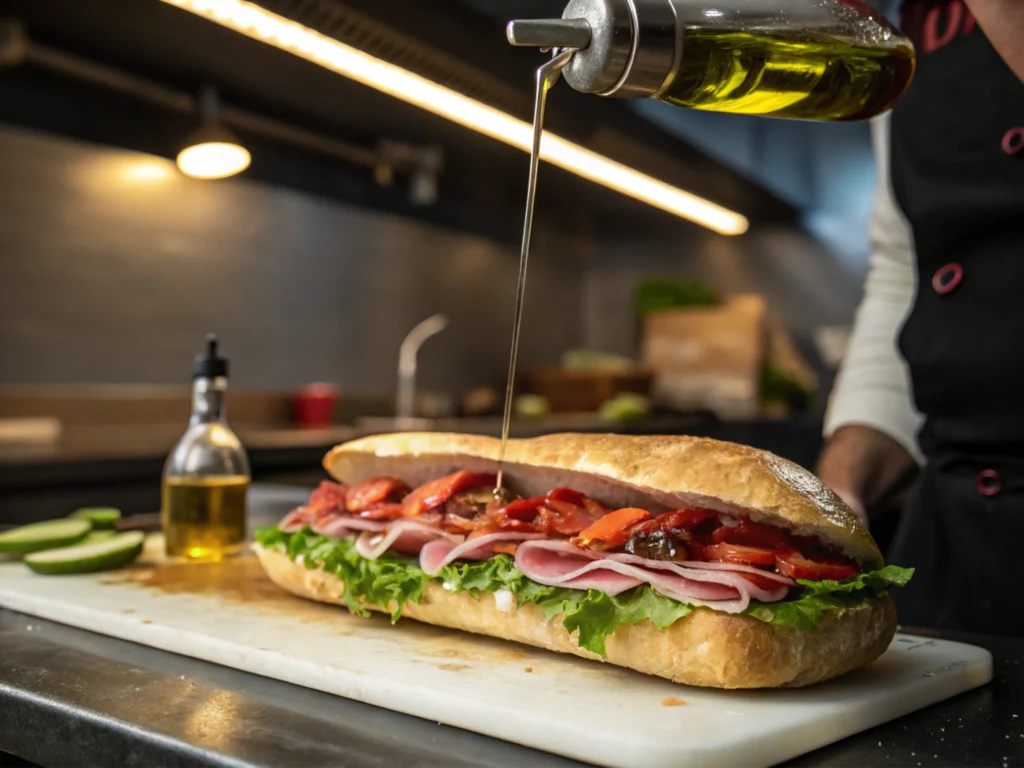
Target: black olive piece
{"type": "Point", "coordinates": [656, 545]}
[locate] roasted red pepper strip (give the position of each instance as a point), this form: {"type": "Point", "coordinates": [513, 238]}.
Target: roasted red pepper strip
{"type": "Point", "coordinates": [383, 512]}
{"type": "Point", "coordinates": [678, 520]}
{"type": "Point", "coordinates": [761, 581]}
{"type": "Point", "coordinates": [362, 496]}
{"type": "Point", "coordinates": [327, 498]}
{"type": "Point", "coordinates": [523, 510]}
{"type": "Point", "coordinates": [738, 553]}
{"type": "Point", "coordinates": [437, 492]}
{"type": "Point", "coordinates": [751, 534]}
{"type": "Point", "coordinates": [614, 528]}
{"type": "Point", "coordinates": [796, 566]}
{"type": "Point", "coordinates": [328, 494]}
{"type": "Point", "coordinates": [575, 498]}
{"type": "Point", "coordinates": [567, 521]}
{"type": "Point", "coordinates": [687, 519]}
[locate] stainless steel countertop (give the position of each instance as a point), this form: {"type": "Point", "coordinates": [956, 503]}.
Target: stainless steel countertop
{"type": "Point", "coordinates": [70, 697]}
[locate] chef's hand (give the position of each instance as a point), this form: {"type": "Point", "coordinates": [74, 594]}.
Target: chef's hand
{"type": "Point", "coordinates": [1002, 21]}
{"type": "Point", "coordinates": [864, 467]}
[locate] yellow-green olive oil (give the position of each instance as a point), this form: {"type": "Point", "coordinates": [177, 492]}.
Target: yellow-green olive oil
{"type": "Point", "coordinates": [798, 74]}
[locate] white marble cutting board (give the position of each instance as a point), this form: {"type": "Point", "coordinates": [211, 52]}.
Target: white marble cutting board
{"type": "Point", "coordinates": [231, 614]}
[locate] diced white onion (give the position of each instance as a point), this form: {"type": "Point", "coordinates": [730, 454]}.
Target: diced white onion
{"type": "Point", "coordinates": [503, 600]}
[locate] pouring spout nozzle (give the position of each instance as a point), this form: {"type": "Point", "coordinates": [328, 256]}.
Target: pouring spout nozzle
{"type": "Point", "coordinates": [549, 33]}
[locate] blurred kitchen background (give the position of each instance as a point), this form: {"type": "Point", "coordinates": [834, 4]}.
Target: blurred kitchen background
{"type": "Point", "coordinates": [361, 216]}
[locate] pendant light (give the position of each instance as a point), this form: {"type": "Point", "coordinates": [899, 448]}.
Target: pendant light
{"type": "Point", "coordinates": [212, 152]}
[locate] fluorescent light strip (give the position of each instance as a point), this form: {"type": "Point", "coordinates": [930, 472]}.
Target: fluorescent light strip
{"type": "Point", "coordinates": [261, 24]}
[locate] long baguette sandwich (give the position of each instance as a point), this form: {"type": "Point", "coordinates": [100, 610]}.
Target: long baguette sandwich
{"type": "Point", "coordinates": [704, 562]}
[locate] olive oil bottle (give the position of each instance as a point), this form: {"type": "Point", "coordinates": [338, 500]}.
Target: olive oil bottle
{"type": "Point", "coordinates": [206, 477]}
{"type": "Point", "coordinates": [804, 59]}
{"type": "Point", "coordinates": [806, 76]}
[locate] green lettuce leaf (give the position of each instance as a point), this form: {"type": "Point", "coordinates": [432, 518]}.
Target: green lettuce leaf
{"type": "Point", "coordinates": [388, 582]}
{"type": "Point", "coordinates": [391, 582]}
{"type": "Point", "coordinates": [596, 615]}
{"type": "Point", "coordinates": [817, 597]}
{"type": "Point", "coordinates": [877, 581]}
{"type": "Point", "coordinates": [482, 576]}
{"type": "Point", "coordinates": [647, 604]}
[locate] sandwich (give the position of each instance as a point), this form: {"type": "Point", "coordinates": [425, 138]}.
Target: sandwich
{"type": "Point", "coordinates": [704, 562]}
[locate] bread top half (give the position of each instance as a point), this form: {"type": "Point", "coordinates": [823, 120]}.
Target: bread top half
{"type": "Point", "coordinates": [657, 473]}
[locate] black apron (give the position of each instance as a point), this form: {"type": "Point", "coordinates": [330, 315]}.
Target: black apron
{"type": "Point", "coordinates": [958, 176]}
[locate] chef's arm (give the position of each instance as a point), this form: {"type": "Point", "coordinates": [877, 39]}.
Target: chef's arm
{"type": "Point", "coordinates": [870, 424]}
{"type": "Point", "coordinates": [1002, 21]}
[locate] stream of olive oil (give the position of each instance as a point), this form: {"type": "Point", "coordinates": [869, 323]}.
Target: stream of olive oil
{"type": "Point", "coordinates": [793, 74]}
{"type": "Point", "coordinates": [806, 75]}
{"type": "Point", "coordinates": [547, 76]}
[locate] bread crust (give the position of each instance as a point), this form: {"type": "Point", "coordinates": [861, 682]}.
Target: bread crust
{"type": "Point", "coordinates": [707, 648]}
{"type": "Point", "coordinates": [672, 471]}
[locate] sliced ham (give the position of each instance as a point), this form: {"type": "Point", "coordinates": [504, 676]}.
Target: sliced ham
{"type": "Point", "coordinates": [440, 552]}
{"type": "Point", "coordinates": [730, 579]}
{"type": "Point", "coordinates": [294, 521]}
{"type": "Point", "coordinates": [737, 567]}
{"type": "Point", "coordinates": [559, 563]}
{"type": "Point", "coordinates": [408, 536]}
{"type": "Point", "coordinates": [343, 526]}
{"type": "Point", "coordinates": [574, 568]}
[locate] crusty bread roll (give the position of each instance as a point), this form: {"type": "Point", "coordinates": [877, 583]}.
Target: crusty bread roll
{"type": "Point", "coordinates": [705, 648]}
{"type": "Point", "coordinates": [626, 471]}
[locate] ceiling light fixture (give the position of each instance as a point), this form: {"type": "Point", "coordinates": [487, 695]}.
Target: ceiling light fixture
{"type": "Point", "coordinates": [261, 24]}
{"type": "Point", "coordinates": [212, 152]}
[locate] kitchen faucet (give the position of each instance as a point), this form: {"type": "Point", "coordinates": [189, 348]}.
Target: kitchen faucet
{"type": "Point", "coordinates": [405, 405]}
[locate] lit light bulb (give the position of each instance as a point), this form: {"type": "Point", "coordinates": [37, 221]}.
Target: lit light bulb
{"type": "Point", "coordinates": [213, 160]}
{"type": "Point", "coordinates": [260, 24]}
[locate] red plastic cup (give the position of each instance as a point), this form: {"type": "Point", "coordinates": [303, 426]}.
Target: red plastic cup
{"type": "Point", "coordinates": [314, 405]}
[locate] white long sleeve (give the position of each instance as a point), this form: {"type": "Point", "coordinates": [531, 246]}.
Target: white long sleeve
{"type": "Point", "coordinates": [873, 385]}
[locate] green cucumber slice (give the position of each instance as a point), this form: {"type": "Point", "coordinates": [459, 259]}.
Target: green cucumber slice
{"type": "Point", "coordinates": [45, 535]}
{"type": "Point", "coordinates": [101, 556]}
{"type": "Point", "coordinates": [100, 517]}
{"type": "Point", "coordinates": [95, 537]}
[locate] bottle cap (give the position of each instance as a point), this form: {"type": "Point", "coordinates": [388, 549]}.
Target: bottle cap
{"type": "Point", "coordinates": [210, 365]}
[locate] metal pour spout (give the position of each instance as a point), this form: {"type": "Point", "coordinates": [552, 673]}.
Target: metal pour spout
{"type": "Point", "coordinates": [549, 33]}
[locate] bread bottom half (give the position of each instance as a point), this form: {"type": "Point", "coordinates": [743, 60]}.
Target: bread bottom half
{"type": "Point", "coordinates": [707, 648]}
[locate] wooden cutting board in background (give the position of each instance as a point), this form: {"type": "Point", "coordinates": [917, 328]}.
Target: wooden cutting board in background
{"type": "Point", "coordinates": [230, 614]}
{"type": "Point", "coordinates": [709, 358]}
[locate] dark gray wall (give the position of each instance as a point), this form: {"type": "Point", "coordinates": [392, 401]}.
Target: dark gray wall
{"type": "Point", "coordinates": [113, 267]}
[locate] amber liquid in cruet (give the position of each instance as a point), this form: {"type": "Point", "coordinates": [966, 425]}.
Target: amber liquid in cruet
{"type": "Point", "coordinates": [204, 517]}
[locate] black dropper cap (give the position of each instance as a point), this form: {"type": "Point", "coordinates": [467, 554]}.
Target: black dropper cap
{"type": "Point", "coordinates": [210, 365]}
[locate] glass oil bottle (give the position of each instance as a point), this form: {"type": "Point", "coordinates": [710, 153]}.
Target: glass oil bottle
{"type": "Point", "coordinates": [206, 477]}
{"type": "Point", "coordinates": [805, 59]}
